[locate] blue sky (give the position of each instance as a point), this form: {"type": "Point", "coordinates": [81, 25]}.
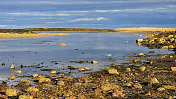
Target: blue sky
{"type": "Point", "coordinates": [87, 13]}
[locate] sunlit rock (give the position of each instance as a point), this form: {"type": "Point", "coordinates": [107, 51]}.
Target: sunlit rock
{"type": "Point", "coordinates": [12, 67]}
{"type": "Point", "coordinates": [18, 72]}
{"type": "Point", "coordinates": [94, 62]}
{"type": "Point", "coordinates": [142, 68]}
{"type": "Point", "coordinates": [112, 71]}
{"type": "Point", "coordinates": [25, 97]}
{"type": "Point", "coordinates": [11, 92]}
{"type": "Point", "coordinates": [44, 80]}
{"type": "Point", "coordinates": [154, 81]}
{"type": "Point", "coordinates": [173, 69]}
{"type": "Point", "coordinates": [32, 90]}
{"type": "Point", "coordinates": [13, 78]}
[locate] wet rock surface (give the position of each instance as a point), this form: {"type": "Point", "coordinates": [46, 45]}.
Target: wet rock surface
{"type": "Point", "coordinates": [145, 76]}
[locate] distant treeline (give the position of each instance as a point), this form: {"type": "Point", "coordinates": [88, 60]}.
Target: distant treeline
{"type": "Point", "coordinates": [29, 30]}
{"type": "Point", "coordinates": [68, 29]}
{"type": "Point", "coordinates": [15, 31]}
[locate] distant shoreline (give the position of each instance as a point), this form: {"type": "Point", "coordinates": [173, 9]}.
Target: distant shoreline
{"type": "Point", "coordinates": [23, 33]}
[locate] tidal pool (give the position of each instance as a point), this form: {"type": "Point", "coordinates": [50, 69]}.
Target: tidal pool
{"type": "Point", "coordinates": [80, 46]}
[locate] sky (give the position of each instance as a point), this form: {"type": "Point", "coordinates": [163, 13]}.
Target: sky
{"type": "Point", "coordinates": [87, 13]}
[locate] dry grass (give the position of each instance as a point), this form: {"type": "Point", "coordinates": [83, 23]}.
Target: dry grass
{"type": "Point", "coordinates": [25, 35]}
{"type": "Point", "coordinates": [145, 29]}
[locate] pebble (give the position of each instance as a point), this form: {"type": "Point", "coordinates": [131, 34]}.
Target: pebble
{"type": "Point", "coordinates": [142, 68]}
{"type": "Point", "coordinates": [18, 72]}
{"type": "Point", "coordinates": [62, 44]}
{"type": "Point", "coordinates": [154, 81]}
{"type": "Point", "coordinates": [87, 69]}
{"type": "Point", "coordinates": [108, 54]}
{"type": "Point", "coordinates": [32, 90]}
{"type": "Point", "coordinates": [12, 67]}
{"type": "Point", "coordinates": [94, 62]}
{"type": "Point", "coordinates": [53, 72]}
{"type": "Point", "coordinates": [13, 78]}
{"type": "Point", "coordinates": [11, 92]}
{"type": "Point", "coordinates": [44, 80]}
{"type": "Point", "coordinates": [141, 54]}
{"type": "Point", "coordinates": [112, 71]}
{"type": "Point", "coordinates": [81, 69]}
{"type": "Point", "coordinates": [173, 68]}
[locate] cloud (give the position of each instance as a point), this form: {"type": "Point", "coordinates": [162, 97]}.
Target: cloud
{"type": "Point", "coordinates": [89, 19]}
{"type": "Point", "coordinates": [1, 26]}
{"type": "Point", "coordinates": [38, 14]}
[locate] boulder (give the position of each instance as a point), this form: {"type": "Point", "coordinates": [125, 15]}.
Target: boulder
{"type": "Point", "coordinates": [44, 80]}
{"type": "Point", "coordinates": [11, 92]}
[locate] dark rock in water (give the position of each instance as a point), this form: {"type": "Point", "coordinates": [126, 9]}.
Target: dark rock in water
{"type": "Point", "coordinates": [3, 63]}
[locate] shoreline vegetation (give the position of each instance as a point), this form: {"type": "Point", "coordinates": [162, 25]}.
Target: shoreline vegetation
{"type": "Point", "coordinates": [146, 76]}
{"type": "Point", "coordinates": [22, 33]}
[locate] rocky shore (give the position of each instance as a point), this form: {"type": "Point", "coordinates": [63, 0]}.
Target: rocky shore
{"type": "Point", "coordinates": [146, 76]}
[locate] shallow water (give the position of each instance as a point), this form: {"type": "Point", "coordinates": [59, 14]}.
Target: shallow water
{"type": "Point", "coordinates": [80, 46]}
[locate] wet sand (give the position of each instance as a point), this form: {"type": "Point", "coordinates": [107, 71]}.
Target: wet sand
{"type": "Point", "coordinates": [146, 76]}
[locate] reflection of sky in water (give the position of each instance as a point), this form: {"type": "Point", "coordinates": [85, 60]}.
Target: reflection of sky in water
{"type": "Point", "coordinates": [91, 46]}
{"type": "Point", "coordinates": [87, 13]}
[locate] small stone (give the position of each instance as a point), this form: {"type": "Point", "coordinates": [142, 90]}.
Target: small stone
{"type": "Point", "coordinates": [81, 69]}
{"type": "Point", "coordinates": [112, 71]}
{"type": "Point", "coordinates": [35, 75]}
{"type": "Point", "coordinates": [137, 85]}
{"type": "Point", "coordinates": [173, 68]}
{"type": "Point", "coordinates": [148, 94]}
{"type": "Point", "coordinates": [62, 74]}
{"type": "Point", "coordinates": [44, 80]}
{"type": "Point", "coordinates": [18, 72]}
{"type": "Point", "coordinates": [107, 87]}
{"type": "Point", "coordinates": [160, 89]}
{"type": "Point", "coordinates": [13, 78]}
{"type": "Point", "coordinates": [128, 70]}
{"type": "Point", "coordinates": [32, 90]}
{"type": "Point", "coordinates": [141, 54]}
{"type": "Point", "coordinates": [11, 92]}
{"type": "Point", "coordinates": [72, 67]}
{"type": "Point", "coordinates": [53, 72]}
{"type": "Point", "coordinates": [25, 97]}
{"type": "Point", "coordinates": [108, 54]}
{"type": "Point", "coordinates": [94, 62]}
{"type": "Point", "coordinates": [87, 69]}
{"type": "Point", "coordinates": [61, 83]}
{"type": "Point", "coordinates": [62, 44]}
{"type": "Point", "coordinates": [154, 80]}
{"type": "Point", "coordinates": [128, 84]}
{"type": "Point", "coordinates": [142, 68]}
{"type": "Point", "coordinates": [12, 67]}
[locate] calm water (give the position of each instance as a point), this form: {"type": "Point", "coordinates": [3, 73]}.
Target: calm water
{"type": "Point", "coordinates": [80, 46]}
